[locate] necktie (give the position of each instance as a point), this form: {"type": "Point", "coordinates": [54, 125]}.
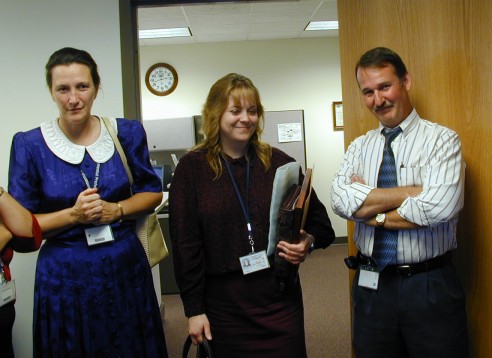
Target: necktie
{"type": "Point", "coordinates": [385, 241]}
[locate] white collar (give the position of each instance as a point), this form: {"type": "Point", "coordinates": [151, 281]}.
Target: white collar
{"type": "Point", "coordinates": [100, 151]}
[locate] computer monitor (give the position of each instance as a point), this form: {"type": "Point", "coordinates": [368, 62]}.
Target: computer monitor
{"type": "Point", "coordinates": [164, 173]}
{"type": "Point", "coordinates": [159, 170]}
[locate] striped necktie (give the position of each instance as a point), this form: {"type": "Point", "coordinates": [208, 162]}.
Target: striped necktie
{"type": "Point", "coordinates": [385, 241]}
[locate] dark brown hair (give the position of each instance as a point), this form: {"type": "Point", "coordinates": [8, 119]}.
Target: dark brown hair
{"type": "Point", "coordinates": [67, 56]}
{"type": "Point", "coordinates": [381, 57]}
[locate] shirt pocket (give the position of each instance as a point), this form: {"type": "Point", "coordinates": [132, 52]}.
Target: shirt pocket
{"type": "Point", "coordinates": [412, 175]}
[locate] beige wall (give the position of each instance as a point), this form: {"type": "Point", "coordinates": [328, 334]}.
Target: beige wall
{"type": "Point", "coordinates": [447, 46]}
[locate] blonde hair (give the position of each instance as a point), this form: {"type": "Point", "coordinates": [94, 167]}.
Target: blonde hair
{"type": "Point", "coordinates": [237, 87]}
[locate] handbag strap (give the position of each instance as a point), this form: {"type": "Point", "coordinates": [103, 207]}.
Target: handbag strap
{"type": "Point", "coordinates": [118, 146]}
{"type": "Point", "coordinates": [205, 346]}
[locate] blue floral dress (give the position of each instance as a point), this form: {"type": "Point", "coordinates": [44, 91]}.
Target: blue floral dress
{"type": "Point", "coordinates": [89, 301]}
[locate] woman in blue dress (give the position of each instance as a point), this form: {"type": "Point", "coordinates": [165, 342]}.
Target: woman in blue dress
{"type": "Point", "coordinates": [94, 294]}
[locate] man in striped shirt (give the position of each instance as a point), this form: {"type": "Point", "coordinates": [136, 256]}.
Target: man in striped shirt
{"type": "Point", "coordinates": [414, 306]}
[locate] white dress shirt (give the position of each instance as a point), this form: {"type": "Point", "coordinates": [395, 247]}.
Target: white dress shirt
{"type": "Point", "coordinates": [427, 155]}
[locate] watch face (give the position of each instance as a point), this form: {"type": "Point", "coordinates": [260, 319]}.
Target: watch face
{"type": "Point", "coordinates": [380, 219]}
{"type": "Point", "coordinates": [161, 79]}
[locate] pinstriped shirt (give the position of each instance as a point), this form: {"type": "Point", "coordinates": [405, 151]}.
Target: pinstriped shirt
{"type": "Point", "coordinates": [427, 155]}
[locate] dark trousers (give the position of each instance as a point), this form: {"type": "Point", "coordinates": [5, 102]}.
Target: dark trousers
{"type": "Point", "coordinates": [419, 316]}
{"type": "Point", "coordinates": [7, 318]}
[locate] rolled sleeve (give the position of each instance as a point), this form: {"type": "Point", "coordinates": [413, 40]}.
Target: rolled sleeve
{"type": "Point", "coordinates": [348, 197]}
{"type": "Point", "coordinates": [442, 197]}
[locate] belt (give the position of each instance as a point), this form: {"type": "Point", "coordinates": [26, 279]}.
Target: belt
{"type": "Point", "coordinates": [413, 269]}
{"type": "Point", "coordinates": [405, 270]}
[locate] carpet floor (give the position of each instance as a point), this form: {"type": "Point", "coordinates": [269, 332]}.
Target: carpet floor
{"type": "Point", "coordinates": [325, 285]}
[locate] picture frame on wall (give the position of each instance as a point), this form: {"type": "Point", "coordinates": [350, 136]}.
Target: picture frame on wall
{"type": "Point", "coordinates": [337, 116]}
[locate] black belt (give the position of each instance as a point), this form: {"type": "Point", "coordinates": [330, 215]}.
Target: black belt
{"type": "Point", "coordinates": [413, 269]}
{"type": "Point", "coordinates": [406, 270]}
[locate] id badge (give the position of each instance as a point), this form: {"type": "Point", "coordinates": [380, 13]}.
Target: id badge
{"type": "Point", "coordinates": [99, 235]}
{"type": "Point", "coordinates": [7, 293]}
{"type": "Point", "coordinates": [368, 277]}
{"type": "Point", "coordinates": [254, 262]}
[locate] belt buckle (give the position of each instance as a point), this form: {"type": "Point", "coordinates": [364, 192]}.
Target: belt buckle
{"type": "Point", "coordinates": [404, 270]}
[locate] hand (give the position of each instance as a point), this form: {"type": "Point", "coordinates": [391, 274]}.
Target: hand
{"type": "Point", "coordinates": [88, 207]}
{"type": "Point", "coordinates": [357, 179]}
{"type": "Point", "coordinates": [296, 253]}
{"type": "Point", "coordinates": [110, 212]}
{"type": "Point", "coordinates": [197, 327]}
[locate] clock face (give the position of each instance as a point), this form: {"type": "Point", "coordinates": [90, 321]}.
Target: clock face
{"type": "Point", "coordinates": [161, 79]}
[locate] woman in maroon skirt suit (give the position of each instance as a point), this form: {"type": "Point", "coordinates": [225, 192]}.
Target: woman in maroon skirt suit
{"type": "Point", "coordinates": [219, 214]}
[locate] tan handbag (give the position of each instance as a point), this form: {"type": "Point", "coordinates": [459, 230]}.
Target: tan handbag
{"type": "Point", "coordinates": [148, 228]}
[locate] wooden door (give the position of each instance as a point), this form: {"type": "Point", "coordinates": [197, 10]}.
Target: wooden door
{"type": "Point", "coordinates": [447, 47]}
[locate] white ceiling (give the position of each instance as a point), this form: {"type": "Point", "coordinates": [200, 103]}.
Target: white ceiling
{"type": "Point", "coordinates": [239, 20]}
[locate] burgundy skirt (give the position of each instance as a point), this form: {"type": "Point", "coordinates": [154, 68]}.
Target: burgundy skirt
{"type": "Point", "coordinates": [251, 317]}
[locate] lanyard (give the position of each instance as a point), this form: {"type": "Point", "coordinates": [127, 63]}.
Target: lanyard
{"type": "Point", "coordinates": [96, 177]}
{"type": "Point", "coordinates": [244, 207]}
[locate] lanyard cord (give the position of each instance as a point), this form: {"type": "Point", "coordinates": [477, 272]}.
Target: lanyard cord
{"type": "Point", "coordinates": [96, 177]}
{"type": "Point", "coordinates": [244, 207]}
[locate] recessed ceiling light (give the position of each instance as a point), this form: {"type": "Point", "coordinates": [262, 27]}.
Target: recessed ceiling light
{"type": "Point", "coordinates": [322, 25]}
{"type": "Point", "coordinates": [156, 33]}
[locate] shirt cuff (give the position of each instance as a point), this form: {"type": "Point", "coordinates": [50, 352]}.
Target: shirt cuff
{"type": "Point", "coordinates": [361, 191]}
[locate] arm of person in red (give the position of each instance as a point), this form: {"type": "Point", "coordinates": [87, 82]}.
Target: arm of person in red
{"type": "Point", "coordinates": [25, 229]}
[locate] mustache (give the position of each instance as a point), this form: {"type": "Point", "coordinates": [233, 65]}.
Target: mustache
{"type": "Point", "coordinates": [383, 107]}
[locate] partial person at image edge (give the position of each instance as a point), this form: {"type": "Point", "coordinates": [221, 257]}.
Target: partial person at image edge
{"type": "Point", "coordinates": [19, 231]}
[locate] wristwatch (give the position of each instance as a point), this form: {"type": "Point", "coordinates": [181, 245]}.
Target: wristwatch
{"type": "Point", "coordinates": [380, 219]}
{"type": "Point", "coordinates": [311, 247]}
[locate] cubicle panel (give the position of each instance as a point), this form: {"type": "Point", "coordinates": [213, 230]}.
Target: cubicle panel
{"type": "Point", "coordinates": [170, 133]}
{"type": "Point", "coordinates": [285, 130]}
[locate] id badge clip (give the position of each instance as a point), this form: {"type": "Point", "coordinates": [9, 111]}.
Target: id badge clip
{"type": "Point", "coordinates": [368, 277]}
{"type": "Point", "coordinates": [254, 262]}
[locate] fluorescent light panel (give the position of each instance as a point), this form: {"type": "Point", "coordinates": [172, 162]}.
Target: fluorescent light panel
{"type": "Point", "coordinates": [322, 25]}
{"type": "Point", "coordinates": [156, 33]}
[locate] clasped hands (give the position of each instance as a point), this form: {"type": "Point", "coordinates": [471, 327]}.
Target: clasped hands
{"type": "Point", "coordinates": [91, 209]}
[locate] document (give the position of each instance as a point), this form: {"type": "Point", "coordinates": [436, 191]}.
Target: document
{"type": "Point", "coordinates": [291, 218]}
{"type": "Point", "coordinates": [293, 210]}
{"type": "Point", "coordinates": [286, 176]}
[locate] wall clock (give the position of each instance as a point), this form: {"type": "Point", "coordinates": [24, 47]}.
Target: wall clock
{"type": "Point", "coordinates": [161, 79]}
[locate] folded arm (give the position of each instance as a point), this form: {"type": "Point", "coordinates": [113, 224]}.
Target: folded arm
{"type": "Point", "coordinates": [5, 235]}
{"type": "Point", "coordinates": [15, 217]}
